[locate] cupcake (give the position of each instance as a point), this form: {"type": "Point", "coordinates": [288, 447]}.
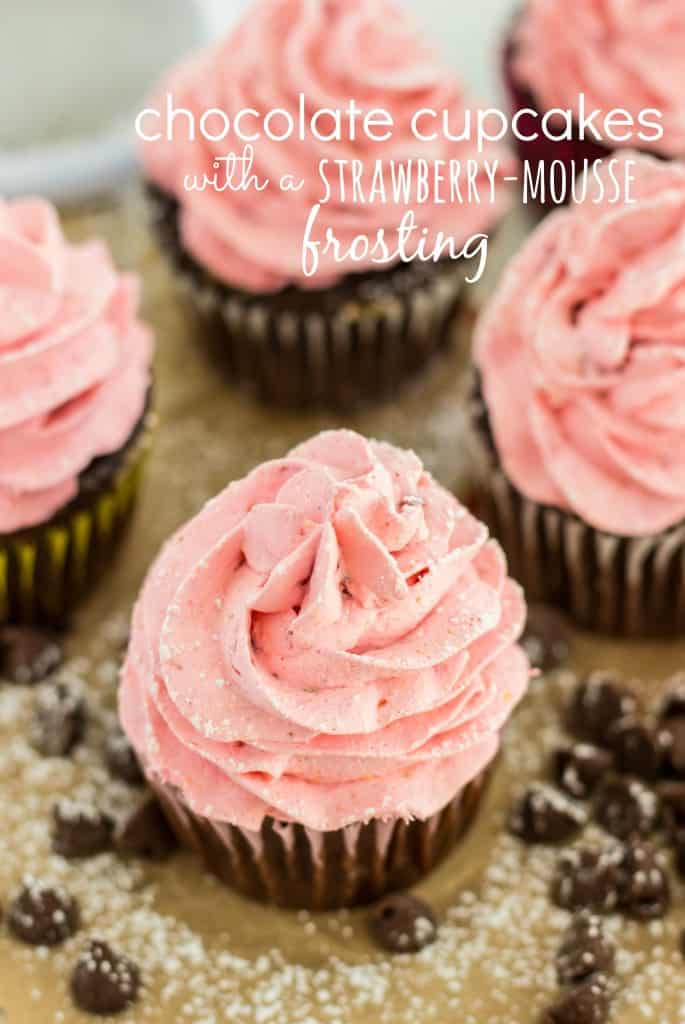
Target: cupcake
{"type": "Point", "coordinates": [319, 668]}
{"type": "Point", "coordinates": [626, 58]}
{"type": "Point", "coordinates": [74, 411]}
{"type": "Point", "coordinates": [581, 423]}
{"type": "Point", "coordinates": [356, 326]}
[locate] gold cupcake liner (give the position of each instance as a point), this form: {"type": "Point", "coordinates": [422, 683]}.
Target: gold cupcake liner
{"type": "Point", "coordinates": [292, 866]}
{"type": "Point", "coordinates": [625, 586]}
{"type": "Point", "coordinates": [47, 569]}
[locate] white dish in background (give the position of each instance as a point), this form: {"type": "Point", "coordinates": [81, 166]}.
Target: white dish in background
{"type": "Point", "coordinates": [73, 75]}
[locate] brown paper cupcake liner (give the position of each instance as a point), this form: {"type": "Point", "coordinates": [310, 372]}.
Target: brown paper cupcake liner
{"type": "Point", "coordinates": [359, 340]}
{"type": "Point", "coordinates": [292, 866]}
{"type": "Point", "coordinates": [47, 569]}
{"type": "Point", "coordinates": [626, 586]}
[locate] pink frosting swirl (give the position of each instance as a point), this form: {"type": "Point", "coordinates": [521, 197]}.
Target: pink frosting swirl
{"type": "Point", "coordinates": [582, 355]}
{"type": "Point", "coordinates": [74, 361]}
{"type": "Point", "coordinates": [331, 51]}
{"type": "Point", "coordinates": [332, 639]}
{"type": "Point", "coordinates": [626, 55]}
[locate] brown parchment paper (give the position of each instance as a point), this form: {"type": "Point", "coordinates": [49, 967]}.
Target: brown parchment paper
{"type": "Point", "coordinates": [207, 956]}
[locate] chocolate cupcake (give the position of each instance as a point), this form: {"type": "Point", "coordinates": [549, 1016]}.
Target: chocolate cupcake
{"type": "Point", "coordinates": [320, 666]}
{"type": "Point", "coordinates": [74, 411]}
{"type": "Point", "coordinates": [626, 59]}
{"type": "Point", "coordinates": [360, 323]}
{"type": "Point", "coordinates": [579, 412]}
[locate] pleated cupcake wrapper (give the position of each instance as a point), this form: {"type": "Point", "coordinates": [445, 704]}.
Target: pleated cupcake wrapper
{"type": "Point", "coordinates": [625, 586]}
{"type": "Point", "coordinates": [46, 570]}
{"type": "Point", "coordinates": [362, 350]}
{"type": "Point", "coordinates": [570, 153]}
{"type": "Point", "coordinates": [292, 866]}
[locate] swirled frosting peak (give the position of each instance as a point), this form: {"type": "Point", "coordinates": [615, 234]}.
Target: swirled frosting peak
{"type": "Point", "coordinates": [74, 361]}
{"type": "Point", "coordinates": [332, 639]}
{"type": "Point", "coordinates": [330, 52]}
{"type": "Point", "coordinates": [582, 357]}
{"type": "Point", "coordinates": [625, 55]}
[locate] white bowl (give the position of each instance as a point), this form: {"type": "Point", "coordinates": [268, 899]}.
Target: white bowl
{"type": "Point", "coordinates": [73, 76]}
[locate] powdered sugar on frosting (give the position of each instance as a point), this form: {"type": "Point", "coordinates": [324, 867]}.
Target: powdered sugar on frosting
{"type": "Point", "coordinates": [74, 361]}
{"type": "Point", "coordinates": [333, 638]}
{"type": "Point", "coordinates": [582, 355]}
{"type": "Point", "coordinates": [370, 51]}
{"type": "Point", "coordinates": [624, 55]}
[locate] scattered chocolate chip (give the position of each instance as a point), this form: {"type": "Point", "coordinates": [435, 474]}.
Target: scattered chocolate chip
{"type": "Point", "coordinates": [682, 944]}
{"type": "Point", "coordinates": [638, 748]}
{"type": "Point", "coordinates": [146, 832]}
{"type": "Point", "coordinates": [673, 705]}
{"type": "Point", "coordinates": [403, 924]}
{"type": "Point", "coordinates": [673, 733]}
{"type": "Point", "coordinates": [579, 769]}
{"type": "Point", "coordinates": [625, 807]}
{"type": "Point", "coordinates": [544, 815]}
{"type": "Point", "coordinates": [59, 720]}
{"type": "Point", "coordinates": [585, 950]}
{"type": "Point", "coordinates": [80, 830]}
{"type": "Point", "coordinates": [122, 760]}
{"type": "Point", "coordinates": [28, 656]}
{"type": "Point", "coordinates": [43, 915]}
{"type": "Point", "coordinates": [586, 879]}
{"type": "Point", "coordinates": [644, 887]}
{"type": "Point", "coordinates": [587, 1003]}
{"type": "Point", "coordinates": [547, 639]}
{"type": "Point", "coordinates": [103, 982]}
{"type": "Point", "coordinates": [597, 703]}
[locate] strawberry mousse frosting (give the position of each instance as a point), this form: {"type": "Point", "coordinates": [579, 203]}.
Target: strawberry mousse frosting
{"type": "Point", "coordinates": [331, 52]}
{"type": "Point", "coordinates": [332, 639]}
{"type": "Point", "coordinates": [74, 362]}
{"type": "Point", "coordinates": [622, 54]}
{"type": "Point", "coordinates": [582, 357]}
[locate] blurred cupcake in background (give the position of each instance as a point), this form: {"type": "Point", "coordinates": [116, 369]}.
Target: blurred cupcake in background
{"type": "Point", "coordinates": [355, 329]}
{"type": "Point", "coordinates": [74, 411]}
{"type": "Point", "coordinates": [581, 410]}
{"type": "Point", "coordinates": [625, 57]}
{"type": "Point", "coordinates": [320, 666]}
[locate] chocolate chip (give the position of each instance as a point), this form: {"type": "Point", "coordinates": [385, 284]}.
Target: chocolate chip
{"type": "Point", "coordinates": [587, 879]}
{"type": "Point", "coordinates": [544, 815]}
{"type": "Point", "coordinates": [103, 982]}
{"type": "Point", "coordinates": [673, 733]}
{"type": "Point", "coordinates": [145, 833]}
{"type": "Point", "coordinates": [682, 944]}
{"type": "Point", "coordinates": [587, 1003]}
{"type": "Point", "coordinates": [579, 769]}
{"type": "Point", "coordinates": [43, 915]}
{"type": "Point", "coordinates": [80, 830]}
{"type": "Point", "coordinates": [625, 807]}
{"type": "Point", "coordinates": [403, 924]}
{"type": "Point", "coordinates": [122, 760]}
{"type": "Point", "coordinates": [639, 748]}
{"type": "Point", "coordinates": [59, 720]}
{"type": "Point", "coordinates": [673, 705]}
{"type": "Point", "coordinates": [597, 703]}
{"type": "Point", "coordinates": [644, 887]}
{"type": "Point", "coordinates": [28, 656]}
{"type": "Point", "coordinates": [585, 950]}
{"type": "Point", "coordinates": [547, 639]}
